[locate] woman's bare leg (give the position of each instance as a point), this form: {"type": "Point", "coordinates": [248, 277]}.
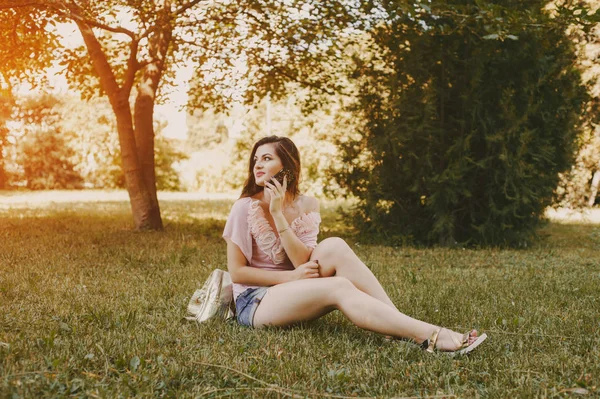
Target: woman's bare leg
{"type": "Point", "coordinates": [308, 299]}
{"type": "Point", "coordinates": [336, 258]}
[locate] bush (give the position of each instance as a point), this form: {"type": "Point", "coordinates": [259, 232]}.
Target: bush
{"type": "Point", "coordinates": [575, 188]}
{"type": "Point", "coordinates": [471, 112]}
{"type": "Point", "coordinates": [44, 157]}
{"type": "Point", "coordinates": [47, 161]}
{"type": "Point", "coordinates": [166, 155]}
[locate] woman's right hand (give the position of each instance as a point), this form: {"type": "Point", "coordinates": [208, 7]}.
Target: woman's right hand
{"type": "Point", "coordinates": [309, 269]}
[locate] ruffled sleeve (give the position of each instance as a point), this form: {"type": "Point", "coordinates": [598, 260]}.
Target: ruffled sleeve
{"type": "Point", "coordinates": [236, 228]}
{"type": "Point", "coordinates": [306, 228]}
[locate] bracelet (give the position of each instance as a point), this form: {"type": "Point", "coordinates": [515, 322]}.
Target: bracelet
{"type": "Point", "coordinates": [282, 231]}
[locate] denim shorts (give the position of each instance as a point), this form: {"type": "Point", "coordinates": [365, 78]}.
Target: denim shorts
{"type": "Point", "coordinates": [247, 303]}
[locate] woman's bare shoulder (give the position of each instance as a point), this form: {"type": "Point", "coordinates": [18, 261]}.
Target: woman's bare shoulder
{"type": "Point", "coordinates": [308, 204]}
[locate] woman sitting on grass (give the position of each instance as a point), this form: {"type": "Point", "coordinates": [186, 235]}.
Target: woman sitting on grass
{"type": "Point", "coordinates": [282, 276]}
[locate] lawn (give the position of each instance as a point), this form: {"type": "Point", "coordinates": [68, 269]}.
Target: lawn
{"type": "Point", "coordinates": [90, 308]}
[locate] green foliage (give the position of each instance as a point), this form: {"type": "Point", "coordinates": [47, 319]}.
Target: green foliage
{"type": "Point", "coordinates": [97, 142]}
{"type": "Point", "coordinates": [312, 133]}
{"type": "Point", "coordinates": [6, 107]}
{"type": "Point", "coordinates": [166, 155]}
{"type": "Point", "coordinates": [577, 185]}
{"type": "Point", "coordinates": [240, 50]}
{"type": "Point", "coordinates": [47, 162]}
{"type": "Point", "coordinates": [46, 159]}
{"type": "Point", "coordinates": [64, 136]}
{"type": "Point", "coordinates": [470, 114]}
{"type": "Point", "coordinates": [574, 189]}
{"type": "Point", "coordinates": [209, 145]}
{"type": "Point", "coordinates": [99, 150]}
{"type": "Point", "coordinates": [27, 44]}
{"type": "Point", "coordinates": [206, 129]}
{"type": "Point", "coordinates": [221, 143]}
{"type": "Point", "coordinates": [249, 49]}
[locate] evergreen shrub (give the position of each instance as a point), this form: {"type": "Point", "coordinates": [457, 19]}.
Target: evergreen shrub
{"type": "Point", "coordinates": [471, 110]}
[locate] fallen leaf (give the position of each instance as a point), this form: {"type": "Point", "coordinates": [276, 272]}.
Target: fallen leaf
{"type": "Point", "coordinates": [580, 391]}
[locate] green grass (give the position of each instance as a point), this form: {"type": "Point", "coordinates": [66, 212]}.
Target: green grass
{"type": "Point", "coordinates": [90, 308]}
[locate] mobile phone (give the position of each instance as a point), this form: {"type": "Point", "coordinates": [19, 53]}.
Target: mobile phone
{"type": "Point", "coordinates": [284, 172]}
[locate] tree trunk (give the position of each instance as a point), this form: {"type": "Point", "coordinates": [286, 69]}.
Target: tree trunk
{"type": "Point", "coordinates": [3, 133]}
{"type": "Point", "coordinates": [594, 188]}
{"type": "Point", "coordinates": [144, 203]}
{"type": "Point", "coordinates": [142, 197]}
{"type": "Point", "coordinates": [144, 138]}
{"type": "Point", "coordinates": [144, 106]}
{"type": "Point", "coordinates": [2, 173]}
{"type": "Point", "coordinates": [6, 103]}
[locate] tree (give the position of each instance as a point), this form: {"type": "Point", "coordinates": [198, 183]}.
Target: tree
{"type": "Point", "coordinates": [19, 31]}
{"type": "Point", "coordinates": [6, 103]}
{"type": "Point", "coordinates": [274, 41]}
{"type": "Point", "coordinates": [87, 128]}
{"type": "Point", "coordinates": [47, 162]}
{"type": "Point", "coordinates": [25, 39]}
{"type": "Point", "coordinates": [579, 186]}
{"type": "Point", "coordinates": [46, 159]}
{"type": "Point", "coordinates": [471, 111]}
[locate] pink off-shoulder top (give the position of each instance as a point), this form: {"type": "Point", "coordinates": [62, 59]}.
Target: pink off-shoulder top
{"type": "Point", "coordinates": [248, 228]}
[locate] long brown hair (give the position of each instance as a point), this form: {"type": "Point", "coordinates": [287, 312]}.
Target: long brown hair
{"type": "Point", "coordinates": [290, 158]}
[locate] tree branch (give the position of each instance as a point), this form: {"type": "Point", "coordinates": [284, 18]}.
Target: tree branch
{"type": "Point", "coordinates": [64, 10]}
{"type": "Point", "coordinates": [306, 83]}
{"type": "Point", "coordinates": [103, 68]}
{"type": "Point", "coordinates": [260, 23]}
{"type": "Point", "coordinates": [266, 28]}
{"type": "Point", "coordinates": [144, 63]}
{"type": "Point", "coordinates": [176, 13]}
{"type": "Point", "coordinates": [75, 16]}
{"type": "Point", "coordinates": [187, 6]}
{"type": "Point", "coordinates": [132, 67]}
{"type": "Point", "coordinates": [194, 43]}
{"type": "Point", "coordinates": [22, 5]}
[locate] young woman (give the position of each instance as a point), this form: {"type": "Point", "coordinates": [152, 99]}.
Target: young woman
{"type": "Point", "coordinates": [281, 274]}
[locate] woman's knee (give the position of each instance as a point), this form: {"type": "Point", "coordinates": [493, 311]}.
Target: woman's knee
{"type": "Point", "coordinates": [330, 248]}
{"type": "Point", "coordinates": [334, 243]}
{"type": "Point", "coordinates": [339, 287]}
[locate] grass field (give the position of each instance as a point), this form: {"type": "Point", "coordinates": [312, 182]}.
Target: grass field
{"type": "Point", "coordinates": [90, 308]}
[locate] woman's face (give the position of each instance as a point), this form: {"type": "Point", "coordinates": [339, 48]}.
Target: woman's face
{"type": "Point", "coordinates": [267, 163]}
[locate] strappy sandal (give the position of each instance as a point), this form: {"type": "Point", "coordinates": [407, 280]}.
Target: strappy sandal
{"type": "Point", "coordinates": [429, 344]}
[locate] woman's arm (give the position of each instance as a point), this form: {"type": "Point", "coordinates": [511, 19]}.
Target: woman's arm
{"type": "Point", "coordinates": [294, 247]}
{"type": "Point", "coordinates": [241, 273]}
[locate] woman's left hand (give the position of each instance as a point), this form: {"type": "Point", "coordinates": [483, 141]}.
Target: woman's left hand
{"type": "Point", "coordinates": [277, 194]}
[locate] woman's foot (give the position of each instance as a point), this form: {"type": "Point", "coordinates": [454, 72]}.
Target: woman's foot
{"type": "Point", "coordinates": [450, 341]}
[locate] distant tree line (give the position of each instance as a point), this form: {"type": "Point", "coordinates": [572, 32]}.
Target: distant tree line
{"type": "Point", "coordinates": [61, 142]}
